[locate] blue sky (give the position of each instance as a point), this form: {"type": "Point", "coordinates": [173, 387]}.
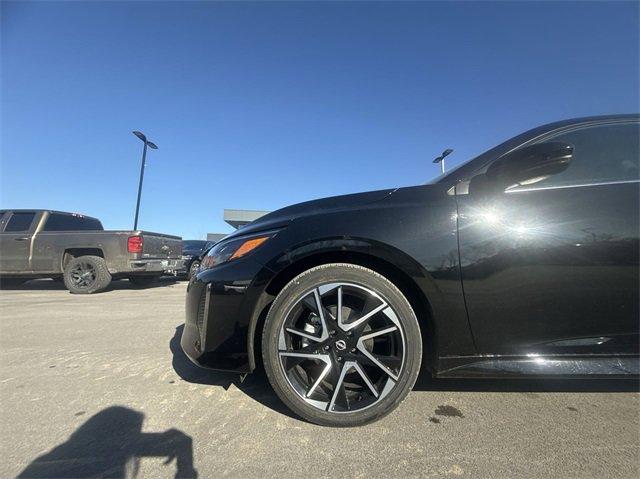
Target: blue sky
{"type": "Point", "coordinates": [260, 105]}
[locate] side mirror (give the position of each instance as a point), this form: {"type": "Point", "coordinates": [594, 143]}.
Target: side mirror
{"type": "Point", "coordinates": [524, 166]}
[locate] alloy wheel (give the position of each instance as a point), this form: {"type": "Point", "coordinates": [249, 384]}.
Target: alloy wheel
{"type": "Point", "coordinates": [341, 347]}
{"type": "Point", "coordinates": [83, 275]}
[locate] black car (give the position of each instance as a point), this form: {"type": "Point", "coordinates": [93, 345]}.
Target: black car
{"type": "Point", "coordinates": [523, 261]}
{"type": "Point", "coordinates": [191, 252]}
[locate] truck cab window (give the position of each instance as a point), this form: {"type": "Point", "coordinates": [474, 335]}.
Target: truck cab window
{"type": "Point", "coordinates": [19, 222]}
{"type": "Point", "coordinates": [68, 222]}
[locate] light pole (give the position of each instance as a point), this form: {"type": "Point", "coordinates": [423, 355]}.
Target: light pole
{"type": "Point", "coordinates": [441, 158]}
{"type": "Point", "coordinates": [144, 157]}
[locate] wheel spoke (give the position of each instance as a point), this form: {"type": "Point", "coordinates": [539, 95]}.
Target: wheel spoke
{"type": "Point", "coordinates": [378, 332]}
{"type": "Point", "coordinates": [338, 389]}
{"type": "Point", "coordinates": [366, 379]}
{"type": "Point", "coordinates": [363, 319]}
{"type": "Point", "coordinates": [296, 354]}
{"type": "Point", "coordinates": [339, 309]}
{"type": "Point", "coordinates": [303, 334]}
{"type": "Point", "coordinates": [298, 357]}
{"type": "Point", "coordinates": [385, 363]}
{"type": "Point", "coordinates": [322, 375]}
{"type": "Point", "coordinates": [379, 360]}
{"type": "Point", "coordinates": [325, 332]}
{"type": "Point", "coordinates": [315, 305]}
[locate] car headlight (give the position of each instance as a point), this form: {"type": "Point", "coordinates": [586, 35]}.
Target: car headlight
{"type": "Point", "coordinates": [233, 249]}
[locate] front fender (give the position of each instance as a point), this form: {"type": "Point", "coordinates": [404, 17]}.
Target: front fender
{"type": "Point", "coordinates": [442, 311]}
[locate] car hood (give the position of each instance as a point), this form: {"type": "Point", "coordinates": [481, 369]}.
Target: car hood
{"type": "Point", "coordinates": [283, 216]}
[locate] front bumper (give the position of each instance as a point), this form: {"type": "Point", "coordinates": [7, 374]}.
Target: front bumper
{"type": "Point", "coordinates": [222, 306]}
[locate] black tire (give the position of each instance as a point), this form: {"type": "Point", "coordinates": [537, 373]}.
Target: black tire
{"type": "Point", "coordinates": [86, 275]}
{"type": "Point", "coordinates": [193, 269]}
{"type": "Point", "coordinates": [146, 280]}
{"type": "Point", "coordinates": [346, 276]}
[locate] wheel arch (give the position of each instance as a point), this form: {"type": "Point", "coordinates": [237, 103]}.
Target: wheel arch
{"type": "Point", "coordinates": [404, 272]}
{"type": "Point", "coordinates": [71, 253]}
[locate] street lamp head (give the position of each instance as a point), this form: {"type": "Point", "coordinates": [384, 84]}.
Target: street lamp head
{"type": "Point", "coordinates": [444, 154]}
{"type": "Point", "coordinates": [140, 135]}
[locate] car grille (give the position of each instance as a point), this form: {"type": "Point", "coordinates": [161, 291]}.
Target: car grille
{"type": "Point", "coordinates": [201, 314]}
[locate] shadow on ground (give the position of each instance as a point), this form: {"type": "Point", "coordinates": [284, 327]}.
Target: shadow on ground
{"type": "Point", "coordinates": [111, 444]}
{"type": "Point", "coordinates": [255, 385]}
{"type": "Point", "coordinates": [116, 285]}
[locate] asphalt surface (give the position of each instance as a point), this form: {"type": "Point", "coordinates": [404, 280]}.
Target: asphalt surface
{"type": "Point", "coordinates": [97, 386]}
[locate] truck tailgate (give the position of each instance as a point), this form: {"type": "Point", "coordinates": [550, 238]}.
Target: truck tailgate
{"type": "Point", "coordinates": [157, 245]}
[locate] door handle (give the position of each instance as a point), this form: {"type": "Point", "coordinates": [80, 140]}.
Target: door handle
{"type": "Point", "coordinates": [21, 239]}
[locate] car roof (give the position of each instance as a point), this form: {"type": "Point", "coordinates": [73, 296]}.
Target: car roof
{"type": "Point", "coordinates": [586, 119]}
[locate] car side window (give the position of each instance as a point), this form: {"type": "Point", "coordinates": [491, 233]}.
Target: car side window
{"type": "Point", "coordinates": [19, 222]}
{"type": "Point", "coordinates": [601, 154]}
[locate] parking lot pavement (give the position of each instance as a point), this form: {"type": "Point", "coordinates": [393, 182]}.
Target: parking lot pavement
{"type": "Point", "coordinates": [97, 385]}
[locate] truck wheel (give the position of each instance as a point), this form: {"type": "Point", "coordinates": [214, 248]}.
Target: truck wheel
{"type": "Point", "coordinates": [146, 280]}
{"type": "Point", "coordinates": [86, 275]}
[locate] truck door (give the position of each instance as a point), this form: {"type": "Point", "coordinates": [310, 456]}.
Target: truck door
{"type": "Point", "coordinates": [15, 241]}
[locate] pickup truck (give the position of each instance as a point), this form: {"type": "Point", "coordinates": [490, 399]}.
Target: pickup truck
{"type": "Point", "coordinates": [77, 250]}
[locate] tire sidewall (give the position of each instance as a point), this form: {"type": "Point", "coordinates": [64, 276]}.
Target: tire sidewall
{"type": "Point", "coordinates": [349, 273]}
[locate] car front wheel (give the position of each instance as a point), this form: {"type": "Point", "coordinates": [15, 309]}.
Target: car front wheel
{"type": "Point", "coordinates": [341, 345]}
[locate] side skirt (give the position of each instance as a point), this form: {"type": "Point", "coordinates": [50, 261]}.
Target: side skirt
{"type": "Point", "coordinates": [549, 366]}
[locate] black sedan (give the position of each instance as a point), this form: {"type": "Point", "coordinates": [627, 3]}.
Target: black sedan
{"type": "Point", "coordinates": [191, 252]}
{"type": "Point", "coordinates": [523, 261]}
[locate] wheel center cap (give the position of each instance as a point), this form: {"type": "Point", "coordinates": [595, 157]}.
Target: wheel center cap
{"type": "Point", "coordinates": [341, 345]}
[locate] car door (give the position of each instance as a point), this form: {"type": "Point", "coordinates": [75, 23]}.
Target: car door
{"type": "Point", "coordinates": [15, 241]}
{"type": "Point", "coordinates": [552, 267]}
